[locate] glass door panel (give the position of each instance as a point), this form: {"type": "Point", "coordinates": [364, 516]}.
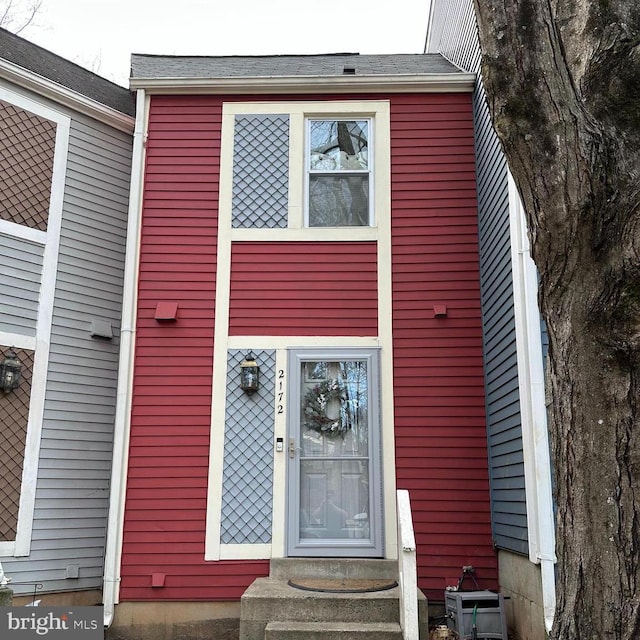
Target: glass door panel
{"type": "Point", "coordinates": [334, 499]}
{"type": "Point", "coordinates": [333, 504]}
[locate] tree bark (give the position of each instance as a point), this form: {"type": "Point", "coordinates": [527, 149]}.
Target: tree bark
{"type": "Point", "coordinates": [562, 79]}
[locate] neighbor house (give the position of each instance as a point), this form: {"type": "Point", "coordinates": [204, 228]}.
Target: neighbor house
{"type": "Point", "coordinates": [65, 151]}
{"type": "Point", "coordinates": [514, 348]}
{"type": "Point", "coordinates": [314, 217]}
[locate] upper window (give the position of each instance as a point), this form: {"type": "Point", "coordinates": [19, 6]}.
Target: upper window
{"type": "Point", "coordinates": [317, 171]}
{"type": "Point", "coordinates": [339, 177]}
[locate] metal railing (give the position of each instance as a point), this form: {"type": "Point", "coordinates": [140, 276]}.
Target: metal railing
{"type": "Point", "coordinates": [407, 576]}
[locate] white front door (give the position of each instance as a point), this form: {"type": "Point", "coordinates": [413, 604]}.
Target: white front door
{"type": "Point", "coordinates": [334, 478]}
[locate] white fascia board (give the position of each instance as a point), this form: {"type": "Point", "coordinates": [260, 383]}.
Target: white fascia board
{"type": "Point", "coordinates": [66, 97]}
{"type": "Point", "coordinates": [428, 83]}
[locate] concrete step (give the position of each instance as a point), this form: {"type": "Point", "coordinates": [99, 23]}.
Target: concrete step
{"type": "Point", "coordinates": [349, 568]}
{"type": "Point", "coordinates": [332, 631]}
{"type": "Point", "coordinates": [273, 600]}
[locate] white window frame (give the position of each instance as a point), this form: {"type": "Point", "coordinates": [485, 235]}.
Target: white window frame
{"type": "Point", "coordinates": [378, 111]}
{"type": "Point", "coordinates": [369, 172]}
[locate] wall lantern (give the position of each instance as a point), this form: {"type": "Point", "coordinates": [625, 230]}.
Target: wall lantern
{"type": "Point", "coordinates": [10, 369]}
{"type": "Point", "coordinates": [249, 374]}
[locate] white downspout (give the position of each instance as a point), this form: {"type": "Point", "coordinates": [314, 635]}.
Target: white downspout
{"type": "Point", "coordinates": [113, 549]}
{"type": "Point", "coordinates": [535, 435]}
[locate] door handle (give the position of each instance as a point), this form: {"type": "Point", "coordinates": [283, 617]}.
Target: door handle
{"type": "Point", "coordinates": [292, 448]}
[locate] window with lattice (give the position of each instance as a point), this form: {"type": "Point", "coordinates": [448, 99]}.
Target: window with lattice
{"type": "Point", "coordinates": [27, 146]}
{"type": "Point", "coordinates": [14, 416]}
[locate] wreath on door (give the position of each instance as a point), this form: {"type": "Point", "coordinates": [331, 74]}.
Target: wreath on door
{"type": "Point", "coordinates": [315, 404]}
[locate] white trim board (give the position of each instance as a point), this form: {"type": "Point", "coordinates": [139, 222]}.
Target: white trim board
{"type": "Point", "coordinates": [379, 111]}
{"type": "Point", "coordinates": [428, 83]}
{"type": "Point", "coordinates": [533, 411]}
{"type": "Point", "coordinates": [45, 317]}
{"type": "Point", "coordinates": [18, 340]}
{"type": "Point", "coordinates": [23, 233]}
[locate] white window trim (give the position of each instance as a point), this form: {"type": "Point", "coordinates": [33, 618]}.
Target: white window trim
{"type": "Point", "coordinates": [41, 343]}
{"type": "Point", "coordinates": [369, 172]}
{"type": "Point", "coordinates": [378, 111]}
{"type": "Point", "coordinates": [296, 232]}
{"type": "Point", "coordinates": [22, 233]}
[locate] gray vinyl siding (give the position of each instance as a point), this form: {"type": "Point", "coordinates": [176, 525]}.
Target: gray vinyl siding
{"type": "Point", "coordinates": [454, 35]}
{"type": "Point", "coordinates": [21, 270]}
{"type": "Point", "coordinates": [545, 341]}
{"type": "Point", "coordinates": [72, 494]}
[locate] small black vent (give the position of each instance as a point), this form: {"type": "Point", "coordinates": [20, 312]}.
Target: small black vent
{"type": "Point", "coordinates": [348, 70]}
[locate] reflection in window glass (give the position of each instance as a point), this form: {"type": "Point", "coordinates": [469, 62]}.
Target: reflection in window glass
{"type": "Point", "coordinates": [334, 408]}
{"type": "Point", "coordinates": [334, 499]}
{"type": "Point", "coordinates": [334, 456]}
{"type": "Point", "coordinates": [338, 179]}
{"type": "Point", "coordinates": [339, 145]}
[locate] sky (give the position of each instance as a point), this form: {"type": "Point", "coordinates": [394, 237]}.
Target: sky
{"type": "Point", "coordinates": [102, 34]}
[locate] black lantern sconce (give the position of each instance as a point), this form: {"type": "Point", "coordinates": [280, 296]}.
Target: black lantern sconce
{"type": "Point", "coordinates": [249, 374]}
{"type": "Point", "coordinates": [10, 370]}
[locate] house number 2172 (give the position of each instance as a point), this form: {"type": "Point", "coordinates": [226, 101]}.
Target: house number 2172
{"type": "Point", "coordinates": [280, 403]}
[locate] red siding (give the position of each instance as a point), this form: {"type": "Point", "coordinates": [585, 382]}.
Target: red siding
{"type": "Point", "coordinates": [304, 289]}
{"type": "Point", "coordinates": [441, 442]}
{"type": "Point", "coordinates": [169, 453]}
{"type": "Point", "coordinates": [441, 453]}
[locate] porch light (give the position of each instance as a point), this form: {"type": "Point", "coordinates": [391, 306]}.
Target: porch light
{"type": "Point", "coordinates": [249, 374]}
{"type": "Point", "coordinates": [10, 370]}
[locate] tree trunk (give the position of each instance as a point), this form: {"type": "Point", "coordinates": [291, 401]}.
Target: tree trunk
{"type": "Point", "coordinates": [562, 79]}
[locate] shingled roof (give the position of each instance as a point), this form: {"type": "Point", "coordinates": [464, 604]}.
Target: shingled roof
{"type": "Point", "coordinates": [151, 67]}
{"type": "Point", "coordinates": [52, 67]}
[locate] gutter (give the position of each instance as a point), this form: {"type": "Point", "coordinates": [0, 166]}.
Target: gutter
{"type": "Point", "coordinates": [119, 467]}
{"type": "Point", "coordinates": [426, 83]}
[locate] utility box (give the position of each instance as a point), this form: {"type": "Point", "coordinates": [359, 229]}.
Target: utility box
{"type": "Point", "coordinates": [485, 608]}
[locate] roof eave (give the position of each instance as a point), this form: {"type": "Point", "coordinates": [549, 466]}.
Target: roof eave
{"type": "Point", "coordinates": [427, 83]}
{"type": "Point", "coordinates": [65, 96]}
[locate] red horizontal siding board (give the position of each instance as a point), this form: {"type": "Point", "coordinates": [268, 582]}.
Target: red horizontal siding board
{"type": "Point", "coordinates": [289, 288]}
{"type": "Point", "coordinates": [440, 442]}
{"type": "Point", "coordinates": [441, 452]}
{"type": "Point", "coordinates": [171, 412]}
